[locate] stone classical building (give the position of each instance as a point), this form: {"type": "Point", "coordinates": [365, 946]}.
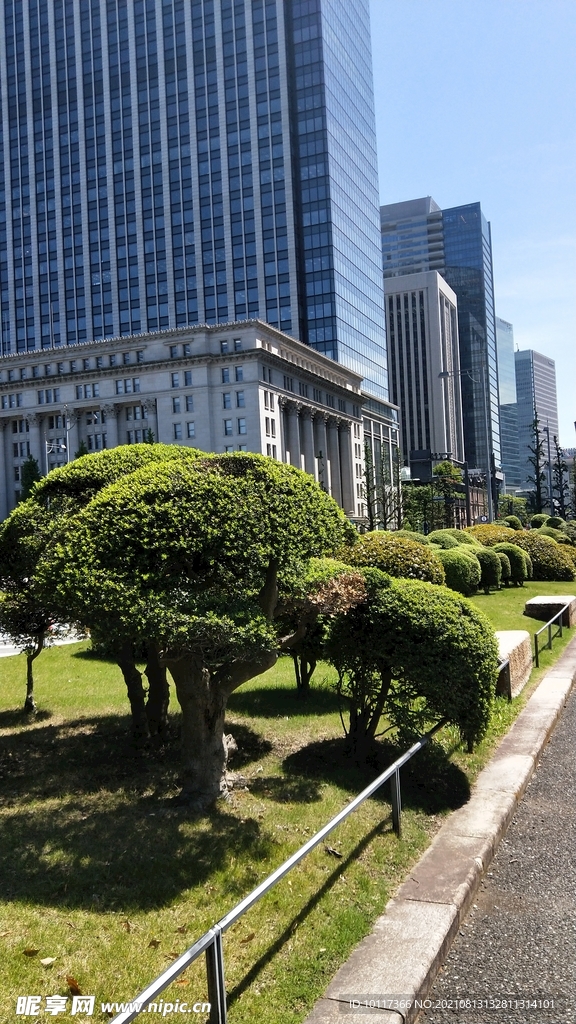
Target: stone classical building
{"type": "Point", "coordinates": [243, 386]}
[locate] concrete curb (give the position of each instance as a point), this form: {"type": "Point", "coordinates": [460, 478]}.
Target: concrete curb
{"type": "Point", "coordinates": [399, 960]}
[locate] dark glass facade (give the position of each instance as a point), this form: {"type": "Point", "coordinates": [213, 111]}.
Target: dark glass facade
{"type": "Point", "coordinates": [190, 161]}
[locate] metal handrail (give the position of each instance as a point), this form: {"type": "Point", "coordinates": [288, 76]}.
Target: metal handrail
{"type": "Point", "coordinates": [211, 942]}
{"type": "Point", "coordinates": [548, 626]}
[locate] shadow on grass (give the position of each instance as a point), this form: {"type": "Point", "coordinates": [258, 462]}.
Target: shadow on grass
{"type": "Point", "coordinates": [430, 782]}
{"type": "Point", "coordinates": [17, 717]}
{"type": "Point", "coordinates": [89, 821]}
{"type": "Point", "coordinates": [277, 702]}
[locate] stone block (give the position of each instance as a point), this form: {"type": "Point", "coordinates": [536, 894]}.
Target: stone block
{"type": "Point", "coordinates": [515, 647]}
{"type": "Point", "coordinates": [546, 607]}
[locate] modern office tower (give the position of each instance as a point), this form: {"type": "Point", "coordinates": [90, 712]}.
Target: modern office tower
{"type": "Point", "coordinates": [536, 397]}
{"type": "Point", "coordinates": [417, 235]}
{"type": "Point", "coordinates": [422, 331]}
{"type": "Point", "coordinates": [508, 406]}
{"type": "Point", "coordinates": [190, 161]}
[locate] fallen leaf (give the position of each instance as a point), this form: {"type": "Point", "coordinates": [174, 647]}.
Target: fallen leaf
{"type": "Point", "coordinates": [48, 961]}
{"type": "Point", "coordinates": [73, 985]}
{"type": "Point", "coordinates": [182, 981]}
{"type": "Point", "coordinates": [30, 952]}
{"type": "Point", "coordinates": [171, 956]}
{"type": "Point", "coordinates": [4, 934]}
{"type": "Point", "coordinates": [71, 925]}
{"type": "Point", "coordinates": [332, 851]}
{"type": "Point", "coordinates": [154, 943]}
{"type": "Point", "coordinates": [249, 937]}
{"type": "Point", "coordinates": [182, 929]}
{"type": "Point", "coordinates": [126, 926]}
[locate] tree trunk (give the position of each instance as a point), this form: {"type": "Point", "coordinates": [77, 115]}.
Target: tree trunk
{"type": "Point", "coordinates": [303, 670]}
{"type": "Point", "coordinates": [136, 695]}
{"type": "Point", "coordinates": [30, 703]}
{"type": "Point", "coordinates": [204, 748]}
{"type": "Point", "coordinates": [158, 693]}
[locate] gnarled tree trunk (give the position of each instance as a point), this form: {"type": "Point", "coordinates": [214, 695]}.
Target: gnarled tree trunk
{"type": "Point", "coordinates": [158, 692]}
{"type": "Point", "coordinates": [136, 695]}
{"type": "Point", "coordinates": [30, 703]}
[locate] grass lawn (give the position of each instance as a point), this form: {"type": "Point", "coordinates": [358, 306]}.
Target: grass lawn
{"type": "Point", "coordinates": [102, 873]}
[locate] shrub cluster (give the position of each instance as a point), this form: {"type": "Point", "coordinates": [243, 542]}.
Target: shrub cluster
{"type": "Point", "coordinates": [550, 560]}
{"type": "Point", "coordinates": [505, 566]}
{"type": "Point", "coordinates": [490, 567]}
{"type": "Point", "coordinates": [490, 534]}
{"type": "Point", "coordinates": [517, 558]}
{"type": "Point", "coordinates": [513, 522]}
{"type": "Point", "coordinates": [462, 569]}
{"type": "Point", "coordinates": [396, 556]}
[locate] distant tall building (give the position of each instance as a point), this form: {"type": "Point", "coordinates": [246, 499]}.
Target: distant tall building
{"type": "Point", "coordinates": [536, 396]}
{"type": "Point", "coordinates": [417, 236]}
{"type": "Point", "coordinates": [508, 406]}
{"type": "Point", "coordinates": [186, 162]}
{"type": "Point", "coordinates": [422, 330]}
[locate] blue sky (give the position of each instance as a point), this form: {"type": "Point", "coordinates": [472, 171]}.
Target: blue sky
{"type": "Point", "coordinates": [476, 101]}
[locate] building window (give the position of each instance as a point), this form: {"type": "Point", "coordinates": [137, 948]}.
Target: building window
{"type": "Point", "coordinates": [126, 358]}
{"type": "Point", "coordinates": [186, 350]}
{"type": "Point", "coordinates": [303, 389]}
{"type": "Point", "coordinates": [60, 367]}
{"type": "Point", "coordinates": [226, 400]}
{"type": "Point", "coordinates": [225, 374]}
{"type": "Point", "coordinates": [140, 356]}
{"type": "Point", "coordinates": [228, 448]}
{"type": "Point", "coordinates": [189, 403]}
{"type": "Point", "coordinates": [176, 405]}
{"type": "Point", "coordinates": [136, 412]}
{"type": "Point", "coordinates": [288, 383]}
{"type": "Point", "coordinates": [239, 374]}
{"type": "Point", "coordinates": [187, 378]}
{"type": "Point", "coordinates": [223, 347]}
{"type": "Point", "coordinates": [237, 344]}
{"type": "Point", "coordinates": [330, 400]}
{"type": "Point", "coordinates": [177, 428]}
{"type": "Point", "coordinates": [96, 442]}
{"type": "Point", "coordinates": [242, 426]}
{"type": "Point", "coordinates": [46, 397]}
{"type": "Point", "coordinates": [111, 361]}
{"type": "Point", "coordinates": [227, 428]}
{"type": "Point", "coordinates": [190, 429]}
{"type": "Point", "coordinates": [173, 351]}
{"type": "Point", "coordinates": [15, 401]}
{"type": "Point", "coordinates": [317, 395]}
{"type": "Point", "coordinates": [267, 426]}
{"type": "Point", "coordinates": [242, 447]}
{"type": "Point", "coordinates": [267, 374]}
{"type": "Point", "coordinates": [87, 391]}
{"type": "Point", "coordinates": [273, 428]}
{"type": "Point", "coordinates": [356, 411]}
{"type": "Point", "coordinates": [175, 380]}
{"type": "Point", "coordinates": [341, 405]}
{"type": "Point", "coordinates": [135, 436]}
{"type": "Point", "coordinates": [240, 400]}
{"type": "Point", "coordinates": [48, 369]}
{"type": "Point", "coordinates": [94, 416]}
{"type": "Point", "coordinates": [127, 386]}
{"type": "Point", "coordinates": [85, 364]}
{"type": "Point", "coordinates": [99, 363]}
{"type": "Point", "coordinates": [74, 366]}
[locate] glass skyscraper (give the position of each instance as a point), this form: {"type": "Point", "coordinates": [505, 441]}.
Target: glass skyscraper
{"type": "Point", "coordinates": [417, 235]}
{"type": "Point", "coordinates": [508, 406]}
{"type": "Point", "coordinates": [174, 162]}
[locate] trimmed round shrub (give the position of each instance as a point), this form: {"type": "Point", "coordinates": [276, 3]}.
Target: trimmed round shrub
{"type": "Point", "coordinates": [490, 568]}
{"type": "Point", "coordinates": [420, 538]}
{"type": "Point", "coordinates": [462, 569]}
{"type": "Point", "coordinates": [538, 520]}
{"type": "Point", "coordinates": [505, 565]}
{"type": "Point", "coordinates": [460, 536]}
{"type": "Point", "coordinates": [443, 539]}
{"type": "Point", "coordinates": [513, 522]}
{"type": "Point", "coordinates": [550, 561]}
{"type": "Point", "coordinates": [556, 523]}
{"type": "Point", "coordinates": [490, 534]}
{"type": "Point", "coordinates": [396, 556]}
{"type": "Point", "coordinates": [558, 535]}
{"type": "Point", "coordinates": [517, 558]}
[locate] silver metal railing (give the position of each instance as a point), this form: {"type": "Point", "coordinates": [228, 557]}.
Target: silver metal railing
{"type": "Point", "coordinates": [211, 942]}
{"type": "Point", "coordinates": [548, 645]}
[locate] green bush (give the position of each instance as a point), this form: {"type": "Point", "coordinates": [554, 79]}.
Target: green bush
{"type": "Point", "coordinates": [460, 536]}
{"type": "Point", "coordinates": [556, 523]}
{"type": "Point", "coordinates": [505, 565]}
{"type": "Point", "coordinates": [420, 538]}
{"type": "Point", "coordinates": [490, 567]}
{"type": "Point", "coordinates": [490, 534]}
{"type": "Point", "coordinates": [397, 556]}
{"type": "Point", "coordinates": [443, 539]}
{"type": "Point", "coordinates": [558, 535]}
{"type": "Point", "coordinates": [517, 558]}
{"type": "Point", "coordinates": [462, 569]}
{"type": "Point", "coordinates": [413, 653]}
{"type": "Point", "coordinates": [538, 520]}
{"type": "Point", "coordinates": [550, 561]}
{"type": "Point", "coordinates": [513, 522]}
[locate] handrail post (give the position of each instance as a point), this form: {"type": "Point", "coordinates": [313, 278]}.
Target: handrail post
{"type": "Point", "coordinates": [216, 983]}
{"type": "Point", "coordinates": [396, 802]}
{"type": "Point", "coordinates": [536, 659]}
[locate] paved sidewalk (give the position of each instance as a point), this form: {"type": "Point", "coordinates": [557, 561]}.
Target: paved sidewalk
{"type": "Point", "coordinates": [397, 963]}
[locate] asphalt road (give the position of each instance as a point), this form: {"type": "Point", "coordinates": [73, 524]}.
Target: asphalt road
{"type": "Point", "coordinates": [515, 955]}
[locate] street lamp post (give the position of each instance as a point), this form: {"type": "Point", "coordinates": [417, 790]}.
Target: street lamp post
{"type": "Point", "coordinates": [546, 429]}
{"type": "Point", "coordinates": [444, 375]}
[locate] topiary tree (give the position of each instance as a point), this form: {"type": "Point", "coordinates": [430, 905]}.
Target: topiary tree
{"type": "Point", "coordinates": [462, 569]}
{"type": "Point", "coordinates": [550, 561]}
{"type": "Point", "coordinates": [490, 568]}
{"type": "Point", "coordinates": [412, 535]}
{"type": "Point", "coordinates": [538, 520]}
{"type": "Point", "coordinates": [197, 557]}
{"type": "Point", "coordinates": [29, 532]}
{"type": "Point", "coordinates": [387, 651]}
{"type": "Point", "coordinates": [513, 522]}
{"type": "Point", "coordinates": [397, 556]}
{"type": "Point", "coordinates": [30, 477]}
{"type": "Point", "coordinates": [462, 537]}
{"type": "Point", "coordinates": [556, 523]}
{"type": "Point", "coordinates": [517, 559]}
{"type": "Point", "coordinates": [505, 567]}
{"type": "Point", "coordinates": [443, 539]}
{"type": "Point", "coordinates": [490, 534]}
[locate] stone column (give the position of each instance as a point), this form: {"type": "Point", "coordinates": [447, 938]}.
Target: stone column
{"type": "Point", "coordinates": [111, 413]}
{"type": "Point", "coordinates": [5, 467]}
{"type": "Point", "coordinates": [310, 464]}
{"type": "Point", "coordinates": [34, 422]}
{"type": "Point", "coordinates": [293, 455]}
{"type": "Point", "coordinates": [72, 433]}
{"type": "Point", "coordinates": [322, 452]}
{"type": "Point", "coordinates": [149, 404]}
{"type": "Point", "coordinates": [334, 459]}
{"type": "Point", "coordinates": [347, 468]}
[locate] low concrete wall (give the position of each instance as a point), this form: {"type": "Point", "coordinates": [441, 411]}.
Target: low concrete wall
{"type": "Point", "coordinates": [514, 646]}
{"type": "Point", "coordinates": [546, 607]}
